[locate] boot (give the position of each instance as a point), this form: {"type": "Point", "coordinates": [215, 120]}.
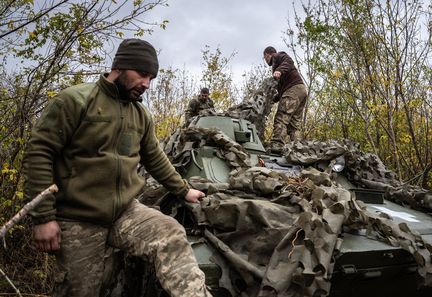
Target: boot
{"type": "Point", "coordinates": [275, 147]}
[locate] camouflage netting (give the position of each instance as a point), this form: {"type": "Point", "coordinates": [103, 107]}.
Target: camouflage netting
{"type": "Point", "coordinates": [362, 169]}
{"type": "Point", "coordinates": [279, 233]}
{"type": "Point", "coordinates": [180, 147]}
{"type": "Point", "coordinates": [256, 106]}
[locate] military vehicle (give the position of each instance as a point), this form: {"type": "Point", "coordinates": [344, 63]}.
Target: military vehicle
{"type": "Point", "coordinates": [319, 219]}
{"type": "Point", "coordinates": [359, 263]}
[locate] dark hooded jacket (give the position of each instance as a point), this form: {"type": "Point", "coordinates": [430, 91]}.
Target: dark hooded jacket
{"type": "Point", "coordinates": [290, 76]}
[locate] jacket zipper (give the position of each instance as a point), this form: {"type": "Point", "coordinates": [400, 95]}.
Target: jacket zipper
{"type": "Point", "coordinates": [117, 200]}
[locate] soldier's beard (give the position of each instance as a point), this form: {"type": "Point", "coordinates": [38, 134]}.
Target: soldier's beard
{"type": "Point", "coordinates": [129, 94]}
{"type": "Point", "coordinates": [123, 91]}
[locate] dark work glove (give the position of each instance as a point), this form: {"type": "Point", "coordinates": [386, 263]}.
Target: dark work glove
{"type": "Point", "coordinates": [276, 98]}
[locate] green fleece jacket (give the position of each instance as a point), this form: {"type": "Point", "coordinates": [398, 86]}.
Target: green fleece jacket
{"type": "Point", "coordinates": [90, 142]}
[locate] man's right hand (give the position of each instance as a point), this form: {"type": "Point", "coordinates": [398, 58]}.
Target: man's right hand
{"type": "Point", "coordinates": [46, 237]}
{"type": "Point", "coordinates": [277, 74]}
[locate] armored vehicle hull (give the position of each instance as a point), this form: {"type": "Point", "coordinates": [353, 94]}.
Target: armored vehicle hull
{"type": "Point", "coordinates": [363, 261]}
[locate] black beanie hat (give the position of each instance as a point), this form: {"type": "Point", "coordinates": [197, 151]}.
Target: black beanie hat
{"type": "Point", "coordinates": [136, 54]}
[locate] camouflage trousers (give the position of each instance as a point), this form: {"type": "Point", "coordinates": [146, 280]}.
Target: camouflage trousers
{"type": "Point", "coordinates": [289, 114]}
{"type": "Point", "coordinates": [140, 231]}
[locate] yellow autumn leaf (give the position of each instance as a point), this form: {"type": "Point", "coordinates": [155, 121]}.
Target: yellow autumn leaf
{"type": "Point", "coordinates": [337, 73]}
{"type": "Point", "coordinates": [32, 35]}
{"type": "Point", "coordinates": [19, 195]}
{"type": "Point", "coordinates": [51, 94]}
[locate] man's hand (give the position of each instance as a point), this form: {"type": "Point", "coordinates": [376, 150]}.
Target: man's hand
{"type": "Point", "coordinates": [46, 237]}
{"type": "Point", "coordinates": [276, 98]}
{"type": "Point", "coordinates": [277, 74]}
{"type": "Point", "coordinates": [194, 196]}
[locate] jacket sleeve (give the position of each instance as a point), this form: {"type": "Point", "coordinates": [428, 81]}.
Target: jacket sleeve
{"type": "Point", "coordinates": [211, 104]}
{"type": "Point", "coordinates": [49, 135]}
{"type": "Point", "coordinates": [284, 63]}
{"type": "Point", "coordinates": [157, 164]}
{"type": "Point", "coordinates": [190, 111]}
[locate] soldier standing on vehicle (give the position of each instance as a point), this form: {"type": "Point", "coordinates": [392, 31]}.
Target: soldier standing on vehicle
{"type": "Point", "coordinates": [291, 97]}
{"type": "Point", "coordinates": [199, 105]}
{"type": "Point", "coordinates": [89, 140]}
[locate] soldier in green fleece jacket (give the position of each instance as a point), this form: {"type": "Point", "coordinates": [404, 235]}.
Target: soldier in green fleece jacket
{"type": "Point", "coordinates": [89, 141]}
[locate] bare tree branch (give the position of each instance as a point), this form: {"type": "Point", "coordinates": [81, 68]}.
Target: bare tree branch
{"type": "Point", "coordinates": [29, 206]}
{"type": "Point", "coordinates": [33, 19]}
{"type": "Point", "coordinates": [10, 282]}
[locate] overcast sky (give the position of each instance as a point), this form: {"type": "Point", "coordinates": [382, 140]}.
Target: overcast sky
{"type": "Point", "coordinates": [242, 26]}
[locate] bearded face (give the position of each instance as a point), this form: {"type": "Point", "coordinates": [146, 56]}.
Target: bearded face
{"type": "Point", "coordinates": [132, 84]}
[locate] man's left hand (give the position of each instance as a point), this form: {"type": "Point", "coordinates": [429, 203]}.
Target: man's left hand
{"type": "Point", "coordinates": [194, 196]}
